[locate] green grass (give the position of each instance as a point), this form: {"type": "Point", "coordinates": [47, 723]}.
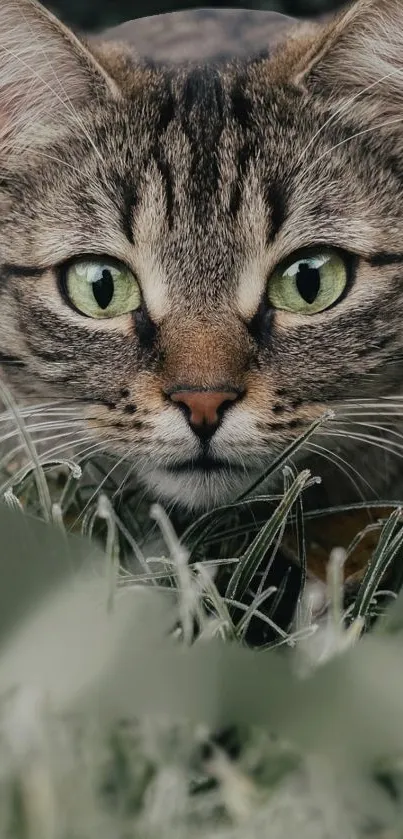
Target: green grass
{"type": "Point", "coordinates": [130, 703]}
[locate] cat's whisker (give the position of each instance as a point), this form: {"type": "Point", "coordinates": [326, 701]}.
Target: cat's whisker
{"type": "Point", "coordinates": [58, 160]}
{"type": "Point", "coordinates": [130, 469]}
{"type": "Point", "coordinates": [99, 487]}
{"type": "Point", "coordinates": [66, 416]}
{"type": "Point", "coordinates": [370, 399]}
{"type": "Point", "coordinates": [55, 407]}
{"type": "Point", "coordinates": [43, 427]}
{"type": "Point", "coordinates": [390, 425]}
{"type": "Point", "coordinates": [377, 442]}
{"type": "Point", "coordinates": [352, 137]}
{"type": "Point", "coordinates": [336, 115]}
{"type": "Point", "coordinates": [376, 427]}
{"type": "Point", "coordinates": [56, 451]}
{"type": "Point", "coordinates": [10, 453]}
{"type": "Point", "coordinates": [343, 465]}
{"type": "Point", "coordinates": [370, 420]}
{"type": "Point", "coordinates": [382, 402]}
{"type": "Point", "coordinates": [392, 415]}
{"type": "Point", "coordinates": [67, 102]}
{"type": "Point", "coordinates": [67, 165]}
{"type": "Point", "coordinates": [387, 422]}
{"type": "Point", "coordinates": [53, 403]}
{"type": "Point", "coordinates": [54, 92]}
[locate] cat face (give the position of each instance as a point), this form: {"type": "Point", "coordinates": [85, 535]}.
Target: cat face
{"type": "Point", "coordinates": [200, 260]}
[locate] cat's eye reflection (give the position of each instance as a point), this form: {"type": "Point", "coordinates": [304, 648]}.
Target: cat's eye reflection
{"type": "Point", "coordinates": [309, 282]}
{"type": "Point", "coordinates": [100, 288]}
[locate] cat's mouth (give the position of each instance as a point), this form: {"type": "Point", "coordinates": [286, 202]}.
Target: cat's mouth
{"type": "Point", "coordinates": [203, 463]}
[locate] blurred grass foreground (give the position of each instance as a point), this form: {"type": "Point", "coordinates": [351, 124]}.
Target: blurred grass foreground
{"type": "Point", "coordinates": [132, 706]}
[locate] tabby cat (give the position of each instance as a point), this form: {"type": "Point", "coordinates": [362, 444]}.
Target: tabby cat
{"type": "Point", "coordinates": [198, 257]}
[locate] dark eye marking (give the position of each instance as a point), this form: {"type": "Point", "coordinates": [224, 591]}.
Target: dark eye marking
{"type": "Point", "coordinates": [129, 200]}
{"type": "Point", "coordinates": [385, 258]}
{"type": "Point", "coordinates": [15, 270]}
{"type": "Point", "coordinates": [276, 201]}
{"type": "Point", "coordinates": [12, 360]}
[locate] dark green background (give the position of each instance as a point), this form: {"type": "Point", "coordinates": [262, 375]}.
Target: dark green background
{"type": "Point", "coordinates": [98, 14]}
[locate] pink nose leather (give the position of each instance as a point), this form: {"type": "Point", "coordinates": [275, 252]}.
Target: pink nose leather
{"type": "Point", "coordinates": [203, 405]}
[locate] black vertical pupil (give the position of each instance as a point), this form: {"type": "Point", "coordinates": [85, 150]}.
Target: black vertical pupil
{"type": "Point", "coordinates": [308, 281]}
{"type": "Point", "coordinates": [103, 288]}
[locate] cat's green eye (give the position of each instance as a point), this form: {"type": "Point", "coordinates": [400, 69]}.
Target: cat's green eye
{"type": "Point", "coordinates": [101, 289]}
{"type": "Point", "coordinates": [310, 283]}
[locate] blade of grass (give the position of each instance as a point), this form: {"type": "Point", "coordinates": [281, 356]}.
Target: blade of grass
{"type": "Point", "coordinates": [40, 479]}
{"type": "Point", "coordinates": [196, 533]}
{"type": "Point", "coordinates": [252, 610]}
{"type": "Point", "coordinates": [252, 559]}
{"type": "Point", "coordinates": [285, 455]}
{"type": "Point", "coordinates": [209, 591]}
{"type": "Point", "coordinates": [105, 511]}
{"type": "Point", "coordinates": [180, 558]}
{"type": "Point", "coordinates": [388, 546]}
{"type": "Point", "coordinates": [257, 614]}
{"type": "Point", "coordinates": [20, 479]}
{"type": "Point", "coordinates": [279, 593]}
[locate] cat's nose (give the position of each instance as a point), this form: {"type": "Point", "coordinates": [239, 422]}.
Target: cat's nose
{"type": "Point", "coordinates": [204, 408]}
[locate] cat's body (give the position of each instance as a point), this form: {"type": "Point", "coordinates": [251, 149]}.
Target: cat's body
{"type": "Point", "coordinates": [200, 180]}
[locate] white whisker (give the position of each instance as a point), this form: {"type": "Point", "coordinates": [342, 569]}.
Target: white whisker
{"type": "Point", "coordinates": [381, 412]}
{"type": "Point", "coordinates": [334, 117]}
{"type": "Point", "coordinates": [343, 465]}
{"type": "Point", "coordinates": [352, 137]}
{"type": "Point", "coordinates": [43, 426]}
{"type": "Point", "coordinates": [11, 453]}
{"type": "Point", "coordinates": [57, 451]}
{"type": "Point", "coordinates": [390, 431]}
{"type": "Point", "coordinates": [62, 101]}
{"type": "Point", "coordinates": [99, 487]}
{"type": "Point", "coordinates": [378, 442]}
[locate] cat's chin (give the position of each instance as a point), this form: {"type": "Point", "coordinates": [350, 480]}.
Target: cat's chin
{"type": "Point", "coordinates": [197, 491]}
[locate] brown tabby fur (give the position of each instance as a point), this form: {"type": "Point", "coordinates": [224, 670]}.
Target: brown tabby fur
{"type": "Point", "coordinates": [202, 177]}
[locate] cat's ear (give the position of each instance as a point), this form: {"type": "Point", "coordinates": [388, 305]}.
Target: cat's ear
{"type": "Point", "coordinates": [361, 49]}
{"type": "Point", "coordinates": [46, 72]}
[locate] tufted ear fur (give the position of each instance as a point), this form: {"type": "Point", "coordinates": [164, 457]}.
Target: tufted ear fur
{"type": "Point", "coordinates": [45, 74]}
{"type": "Point", "coordinates": [360, 52]}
